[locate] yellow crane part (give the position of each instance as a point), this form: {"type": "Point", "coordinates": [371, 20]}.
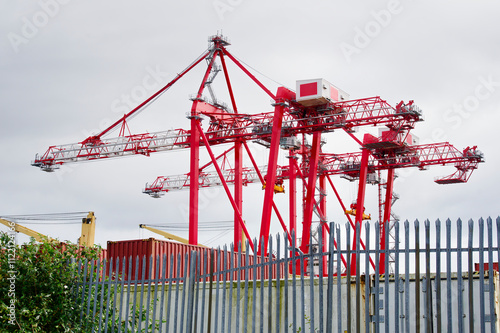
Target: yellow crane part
{"type": "Point", "coordinates": [86, 239]}
{"type": "Point", "coordinates": [167, 235]}
{"type": "Point", "coordinates": [27, 231]}
{"type": "Point", "coordinates": [88, 230]}
{"type": "Point", "coordinates": [277, 188]}
{"type": "Point", "coordinates": [353, 212]}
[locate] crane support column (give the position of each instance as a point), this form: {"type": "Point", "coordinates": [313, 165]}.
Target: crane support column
{"type": "Point", "coordinates": [238, 192]}
{"type": "Point", "coordinates": [348, 216]}
{"type": "Point", "coordinates": [194, 175]}
{"type": "Point", "coordinates": [360, 203]}
{"type": "Point", "coordinates": [88, 230]}
{"type": "Point", "coordinates": [261, 178]}
{"type": "Point", "coordinates": [292, 192]}
{"type": "Point", "coordinates": [271, 176]}
{"type": "Point", "coordinates": [238, 164]}
{"type": "Point", "coordinates": [226, 187]}
{"type": "Point", "coordinates": [194, 171]}
{"type": "Point", "coordinates": [322, 208]}
{"type": "Point", "coordinates": [387, 216]}
{"type": "Point", "coordinates": [311, 187]}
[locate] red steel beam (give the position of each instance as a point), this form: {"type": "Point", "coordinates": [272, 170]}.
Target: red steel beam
{"type": "Point", "coordinates": [360, 203]}
{"type": "Point", "coordinates": [292, 193]}
{"type": "Point", "coordinates": [194, 181]}
{"type": "Point", "coordinates": [324, 225]}
{"type": "Point", "coordinates": [271, 177]}
{"type": "Point", "coordinates": [226, 187]}
{"type": "Point", "coordinates": [250, 75]}
{"type": "Point", "coordinates": [238, 191]}
{"type": "Point", "coordinates": [152, 97]}
{"type": "Point", "coordinates": [238, 162]}
{"type": "Point", "coordinates": [195, 159]}
{"type": "Point", "coordinates": [387, 216]}
{"type": "Point", "coordinates": [301, 175]}
{"type": "Point", "coordinates": [347, 215]}
{"type": "Point", "coordinates": [311, 187]}
{"type": "Point", "coordinates": [262, 181]}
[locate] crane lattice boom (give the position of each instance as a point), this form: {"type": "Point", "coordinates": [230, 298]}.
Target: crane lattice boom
{"type": "Point", "coordinates": [228, 127]}
{"type": "Point", "coordinates": [315, 109]}
{"type": "Point", "coordinates": [420, 156]}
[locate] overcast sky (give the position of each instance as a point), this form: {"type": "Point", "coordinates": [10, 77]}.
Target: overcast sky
{"type": "Point", "coordinates": [68, 68]}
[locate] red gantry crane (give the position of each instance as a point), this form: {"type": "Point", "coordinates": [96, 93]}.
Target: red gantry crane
{"type": "Point", "coordinates": [317, 107]}
{"type": "Point", "coordinates": [349, 166]}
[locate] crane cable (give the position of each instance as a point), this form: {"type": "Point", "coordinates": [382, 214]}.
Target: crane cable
{"type": "Point", "coordinates": [52, 218]}
{"type": "Point", "coordinates": [156, 97]}
{"type": "Point", "coordinates": [203, 226]}
{"type": "Point", "coordinates": [264, 75]}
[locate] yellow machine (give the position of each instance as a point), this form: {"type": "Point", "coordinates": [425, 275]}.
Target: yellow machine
{"type": "Point", "coordinates": [86, 238]}
{"type": "Point", "coordinates": [27, 231]}
{"type": "Point", "coordinates": [166, 234]}
{"type": "Point", "coordinates": [352, 211]}
{"type": "Point", "coordinates": [88, 231]}
{"type": "Point", "coordinates": [183, 240]}
{"type": "Point", "coordinates": [278, 187]}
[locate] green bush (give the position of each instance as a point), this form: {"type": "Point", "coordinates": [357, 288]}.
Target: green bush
{"type": "Point", "coordinates": [44, 280]}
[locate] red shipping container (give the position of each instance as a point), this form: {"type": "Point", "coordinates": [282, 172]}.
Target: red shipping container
{"type": "Point", "coordinates": [155, 249]}
{"type": "Point", "coordinates": [150, 248]}
{"type": "Point", "coordinates": [486, 267]}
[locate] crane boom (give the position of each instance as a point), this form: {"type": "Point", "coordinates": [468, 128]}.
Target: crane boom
{"type": "Point", "coordinates": [227, 127]}
{"type": "Point", "coordinates": [420, 156]}
{"type": "Point", "coordinates": [167, 235]}
{"type": "Point", "coordinates": [86, 238]}
{"type": "Point", "coordinates": [27, 231]}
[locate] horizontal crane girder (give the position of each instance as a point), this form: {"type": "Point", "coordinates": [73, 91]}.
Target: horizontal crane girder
{"type": "Point", "coordinates": [227, 128]}
{"type": "Point", "coordinates": [419, 156]}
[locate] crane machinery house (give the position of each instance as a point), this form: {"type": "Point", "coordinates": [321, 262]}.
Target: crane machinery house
{"type": "Point", "coordinates": [318, 91]}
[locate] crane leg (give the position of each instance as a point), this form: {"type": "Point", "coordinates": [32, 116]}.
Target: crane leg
{"type": "Point", "coordinates": [194, 182]}
{"type": "Point", "coordinates": [292, 192]}
{"type": "Point", "coordinates": [238, 192]}
{"type": "Point", "coordinates": [311, 187]}
{"type": "Point", "coordinates": [387, 216]}
{"type": "Point", "coordinates": [271, 177]}
{"type": "Point", "coordinates": [360, 202]}
{"type": "Point", "coordinates": [324, 225]}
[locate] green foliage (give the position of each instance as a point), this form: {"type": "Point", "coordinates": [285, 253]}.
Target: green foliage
{"type": "Point", "coordinates": [44, 279]}
{"type": "Point", "coordinates": [108, 317]}
{"type": "Point", "coordinates": [308, 323]}
{"type": "Point", "coordinates": [140, 315]}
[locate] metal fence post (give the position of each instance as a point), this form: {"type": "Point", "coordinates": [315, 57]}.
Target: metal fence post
{"type": "Point", "coordinates": [459, 278]}
{"type": "Point", "coordinates": [407, 276]}
{"type": "Point", "coordinates": [438, 275]}
{"type": "Point", "coordinates": [428, 290]}
{"type": "Point", "coordinates": [396, 277]}
{"type": "Point", "coordinates": [491, 275]}
{"type": "Point", "coordinates": [470, 277]}
{"type": "Point", "coordinates": [417, 276]}
{"type": "Point", "coordinates": [104, 302]}
{"type": "Point", "coordinates": [367, 277]}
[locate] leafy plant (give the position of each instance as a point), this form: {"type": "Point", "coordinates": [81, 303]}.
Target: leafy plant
{"type": "Point", "coordinates": [308, 323]}
{"type": "Point", "coordinates": [37, 289]}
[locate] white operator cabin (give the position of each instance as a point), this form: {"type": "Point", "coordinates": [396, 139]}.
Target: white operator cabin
{"type": "Point", "coordinates": [317, 92]}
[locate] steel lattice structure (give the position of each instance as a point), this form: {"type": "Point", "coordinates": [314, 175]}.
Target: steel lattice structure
{"type": "Point", "coordinates": [280, 127]}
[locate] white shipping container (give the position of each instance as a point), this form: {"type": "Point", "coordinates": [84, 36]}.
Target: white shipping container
{"type": "Point", "coordinates": [317, 92]}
